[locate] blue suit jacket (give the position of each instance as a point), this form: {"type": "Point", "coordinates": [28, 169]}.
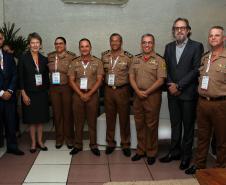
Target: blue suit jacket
{"type": "Point", "coordinates": [8, 76]}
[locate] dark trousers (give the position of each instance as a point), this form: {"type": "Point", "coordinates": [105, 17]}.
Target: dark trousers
{"type": "Point", "coordinates": [8, 123]}
{"type": "Point", "coordinates": [182, 118]}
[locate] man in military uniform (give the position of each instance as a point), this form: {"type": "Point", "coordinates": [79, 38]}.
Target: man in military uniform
{"type": "Point", "coordinates": [211, 110]}
{"type": "Point", "coordinates": [117, 95]}
{"type": "Point", "coordinates": [85, 77]}
{"type": "Point", "coordinates": [61, 93]}
{"type": "Point", "coordinates": [147, 75]}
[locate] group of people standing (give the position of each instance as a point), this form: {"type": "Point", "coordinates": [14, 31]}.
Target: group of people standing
{"type": "Point", "coordinates": [195, 82]}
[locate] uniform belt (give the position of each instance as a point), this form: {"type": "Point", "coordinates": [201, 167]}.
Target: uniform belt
{"type": "Point", "coordinates": [84, 90]}
{"type": "Point", "coordinates": [214, 99]}
{"type": "Point", "coordinates": [117, 87]}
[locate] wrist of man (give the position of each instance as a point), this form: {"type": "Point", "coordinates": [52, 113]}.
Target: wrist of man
{"type": "Point", "coordinates": [179, 88]}
{"type": "Point", "coordinates": [10, 91]}
{"type": "Point", "coordinates": [1, 93]}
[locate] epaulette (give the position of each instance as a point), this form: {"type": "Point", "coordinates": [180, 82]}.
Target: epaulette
{"type": "Point", "coordinates": [105, 52]}
{"type": "Point", "coordinates": [139, 55]}
{"type": "Point", "coordinates": [159, 55]}
{"type": "Point", "coordinates": [71, 53]}
{"type": "Point", "coordinates": [75, 58]}
{"type": "Point", "coordinates": [51, 53]}
{"type": "Point", "coordinates": [205, 53]}
{"type": "Point", "coordinates": [128, 54]}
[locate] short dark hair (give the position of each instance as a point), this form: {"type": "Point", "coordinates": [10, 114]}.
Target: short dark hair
{"type": "Point", "coordinates": [186, 22]}
{"type": "Point", "coordinates": [34, 35]}
{"type": "Point", "coordinates": [217, 27]}
{"type": "Point", "coordinates": [148, 35]}
{"type": "Point", "coordinates": [85, 39]}
{"type": "Point", "coordinates": [2, 33]}
{"type": "Point", "coordinates": [61, 38]}
{"type": "Point", "coordinates": [116, 34]}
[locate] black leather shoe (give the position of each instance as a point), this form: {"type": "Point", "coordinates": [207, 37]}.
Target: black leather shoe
{"type": "Point", "coordinates": [191, 170]}
{"type": "Point", "coordinates": [58, 146]}
{"type": "Point", "coordinates": [33, 150]}
{"type": "Point", "coordinates": [43, 148]}
{"type": "Point", "coordinates": [15, 151]}
{"type": "Point", "coordinates": [95, 151]}
{"type": "Point", "coordinates": [109, 150]}
{"type": "Point", "coordinates": [75, 151]}
{"type": "Point", "coordinates": [126, 152]}
{"type": "Point", "coordinates": [184, 164]}
{"type": "Point", "coordinates": [151, 160]}
{"type": "Point", "coordinates": [69, 146]}
{"type": "Point", "coordinates": [137, 157]}
{"type": "Point", "coordinates": [168, 158]}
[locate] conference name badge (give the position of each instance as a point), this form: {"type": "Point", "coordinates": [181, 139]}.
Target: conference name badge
{"type": "Point", "coordinates": [56, 78]}
{"type": "Point", "coordinates": [205, 82]}
{"type": "Point", "coordinates": [111, 79]}
{"type": "Point", "coordinates": [38, 79]}
{"type": "Point", "coordinates": [84, 83]}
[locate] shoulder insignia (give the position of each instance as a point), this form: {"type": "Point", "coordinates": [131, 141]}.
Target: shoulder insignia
{"type": "Point", "coordinates": [51, 53]}
{"type": "Point", "coordinates": [139, 55]}
{"type": "Point", "coordinates": [128, 54]}
{"type": "Point", "coordinates": [71, 53]}
{"type": "Point", "coordinates": [205, 53]}
{"type": "Point", "coordinates": [159, 55]}
{"type": "Point", "coordinates": [105, 52]}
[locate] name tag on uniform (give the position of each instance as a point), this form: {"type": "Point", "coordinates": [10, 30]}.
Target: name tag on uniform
{"type": "Point", "coordinates": [111, 79]}
{"type": "Point", "coordinates": [205, 82]}
{"type": "Point", "coordinates": [84, 83]}
{"type": "Point", "coordinates": [38, 79]}
{"type": "Point", "coordinates": [56, 78]}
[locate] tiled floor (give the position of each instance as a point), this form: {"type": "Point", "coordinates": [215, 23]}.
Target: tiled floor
{"type": "Point", "coordinates": [57, 167]}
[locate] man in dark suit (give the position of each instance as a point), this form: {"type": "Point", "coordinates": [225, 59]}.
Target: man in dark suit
{"type": "Point", "coordinates": [183, 60]}
{"type": "Point", "coordinates": [8, 81]}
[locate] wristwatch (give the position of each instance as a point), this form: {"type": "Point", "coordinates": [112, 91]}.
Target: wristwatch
{"type": "Point", "coordinates": [179, 87]}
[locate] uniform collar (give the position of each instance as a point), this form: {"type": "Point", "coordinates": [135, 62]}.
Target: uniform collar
{"type": "Point", "coordinates": [80, 58]}
{"type": "Point", "coordinates": [120, 54]}
{"type": "Point", "coordinates": [223, 54]}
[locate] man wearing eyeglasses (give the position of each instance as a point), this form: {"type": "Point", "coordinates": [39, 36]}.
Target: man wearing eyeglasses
{"type": "Point", "coordinates": [183, 60]}
{"type": "Point", "coordinates": [147, 74]}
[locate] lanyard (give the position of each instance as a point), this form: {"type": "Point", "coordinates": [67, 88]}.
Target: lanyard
{"type": "Point", "coordinates": [209, 63]}
{"type": "Point", "coordinates": [114, 62]}
{"type": "Point", "coordinates": [56, 62]}
{"type": "Point", "coordinates": [37, 65]}
{"type": "Point", "coordinates": [85, 66]}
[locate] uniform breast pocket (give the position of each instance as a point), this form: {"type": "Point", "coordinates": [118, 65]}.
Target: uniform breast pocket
{"type": "Point", "coordinates": [221, 74]}
{"type": "Point", "coordinates": [106, 67]}
{"type": "Point", "coordinates": [151, 68]}
{"type": "Point", "coordinates": [93, 69]}
{"type": "Point", "coordinates": [122, 66]}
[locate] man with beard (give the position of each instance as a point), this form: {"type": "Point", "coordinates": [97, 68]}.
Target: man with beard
{"type": "Point", "coordinates": [183, 60]}
{"type": "Point", "coordinates": [116, 94]}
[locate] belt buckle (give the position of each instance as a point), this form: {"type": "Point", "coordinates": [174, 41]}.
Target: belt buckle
{"type": "Point", "coordinates": [208, 98]}
{"type": "Point", "coordinates": [114, 87]}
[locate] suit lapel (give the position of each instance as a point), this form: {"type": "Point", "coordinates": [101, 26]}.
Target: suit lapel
{"type": "Point", "coordinates": [185, 51]}
{"type": "Point", "coordinates": [174, 59]}
{"type": "Point", "coordinates": [4, 63]}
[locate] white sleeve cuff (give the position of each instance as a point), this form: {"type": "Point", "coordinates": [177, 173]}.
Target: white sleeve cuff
{"type": "Point", "coordinates": [1, 93]}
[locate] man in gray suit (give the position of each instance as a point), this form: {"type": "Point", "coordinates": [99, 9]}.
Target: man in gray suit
{"type": "Point", "coordinates": [183, 60]}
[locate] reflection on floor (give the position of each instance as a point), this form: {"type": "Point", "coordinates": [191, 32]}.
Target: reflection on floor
{"type": "Point", "coordinates": [57, 167]}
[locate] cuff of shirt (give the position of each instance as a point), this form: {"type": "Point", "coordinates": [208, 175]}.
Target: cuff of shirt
{"type": "Point", "coordinates": [1, 93]}
{"type": "Point", "coordinates": [10, 91]}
